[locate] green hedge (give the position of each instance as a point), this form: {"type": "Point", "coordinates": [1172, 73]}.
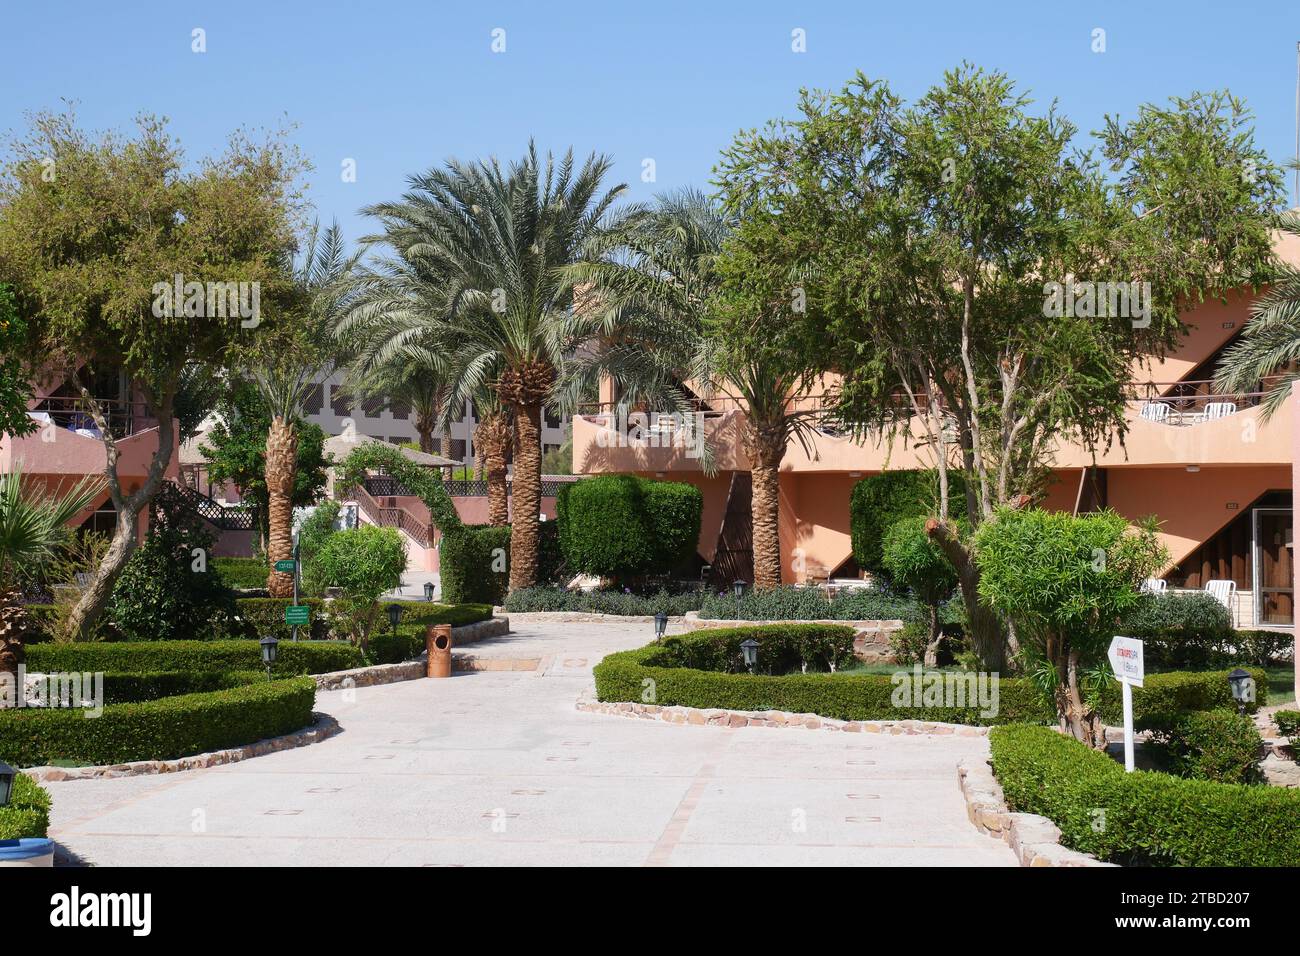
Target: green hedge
{"type": "Point", "coordinates": [133, 687]}
{"type": "Point", "coordinates": [28, 812]}
{"type": "Point", "coordinates": [622, 526]}
{"type": "Point", "coordinates": [1191, 630]}
{"type": "Point", "coordinates": [158, 729]}
{"type": "Point", "coordinates": [387, 647]}
{"type": "Point", "coordinates": [1220, 745]}
{"type": "Point", "coordinates": [622, 677]}
{"type": "Point", "coordinates": [261, 617]}
{"type": "Point", "coordinates": [793, 603]}
{"type": "Point", "coordinates": [1165, 698]}
{"type": "Point", "coordinates": [474, 562]}
{"type": "Point", "coordinates": [1288, 722]}
{"type": "Point", "coordinates": [602, 601]}
{"type": "Point", "coordinates": [877, 502]}
{"type": "Point", "coordinates": [1143, 818]}
{"type": "Point", "coordinates": [242, 573]}
{"type": "Point", "coordinates": [295, 657]}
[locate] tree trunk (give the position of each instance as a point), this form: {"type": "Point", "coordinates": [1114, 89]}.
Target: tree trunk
{"type": "Point", "coordinates": [931, 658]}
{"type": "Point", "coordinates": [984, 627]}
{"type": "Point", "coordinates": [1077, 718]}
{"type": "Point", "coordinates": [444, 442]}
{"type": "Point", "coordinates": [281, 463]}
{"type": "Point", "coordinates": [424, 428]}
{"type": "Point", "coordinates": [490, 438]}
{"type": "Point", "coordinates": [765, 448]}
{"type": "Point", "coordinates": [13, 625]}
{"type": "Point", "coordinates": [81, 621]}
{"type": "Point", "coordinates": [526, 495]}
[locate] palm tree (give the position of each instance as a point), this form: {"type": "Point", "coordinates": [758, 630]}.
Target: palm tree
{"type": "Point", "coordinates": [33, 528]}
{"type": "Point", "coordinates": [482, 250]}
{"type": "Point", "coordinates": [288, 363]}
{"type": "Point", "coordinates": [1268, 352]}
{"type": "Point", "coordinates": [661, 270]}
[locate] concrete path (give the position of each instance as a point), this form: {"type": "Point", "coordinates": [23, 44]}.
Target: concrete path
{"type": "Point", "coordinates": [498, 768]}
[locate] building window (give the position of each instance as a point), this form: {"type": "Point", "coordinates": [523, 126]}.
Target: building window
{"type": "Point", "coordinates": [339, 404]}
{"type": "Point", "coordinates": [315, 400]}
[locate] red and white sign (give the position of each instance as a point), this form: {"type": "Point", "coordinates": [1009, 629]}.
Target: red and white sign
{"type": "Point", "coordinates": [1125, 656]}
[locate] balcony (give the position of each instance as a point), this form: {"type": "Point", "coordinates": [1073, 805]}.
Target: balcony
{"type": "Point", "coordinates": [68, 442]}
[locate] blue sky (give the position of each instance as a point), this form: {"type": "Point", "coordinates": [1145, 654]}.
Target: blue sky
{"type": "Point", "coordinates": [401, 86]}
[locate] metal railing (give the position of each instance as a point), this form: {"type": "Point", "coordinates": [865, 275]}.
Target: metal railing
{"type": "Point", "coordinates": [123, 417]}
{"type": "Point", "coordinates": [225, 517]}
{"type": "Point", "coordinates": [381, 486]}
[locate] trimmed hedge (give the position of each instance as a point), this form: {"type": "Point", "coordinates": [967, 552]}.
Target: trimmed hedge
{"type": "Point", "coordinates": [264, 616]}
{"type": "Point", "coordinates": [474, 562]}
{"type": "Point", "coordinates": [242, 573]}
{"type": "Point", "coordinates": [139, 657]}
{"type": "Point", "coordinates": [28, 812]}
{"type": "Point", "coordinates": [1143, 818]}
{"type": "Point", "coordinates": [158, 729]}
{"type": "Point", "coordinates": [1166, 698]}
{"type": "Point", "coordinates": [1194, 630]}
{"type": "Point", "coordinates": [663, 671]}
{"type": "Point", "coordinates": [1220, 745]}
{"type": "Point", "coordinates": [793, 603]}
{"type": "Point", "coordinates": [603, 601]}
{"type": "Point", "coordinates": [389, 648]}
{"type": "Point", "coordinates": [134, 687]}
{"type": "Point", "coordinates": [623, 526]}
{"type": "Point", "coordinates": [877, 502]}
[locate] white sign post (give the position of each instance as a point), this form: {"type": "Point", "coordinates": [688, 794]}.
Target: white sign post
{"type": "Point", "coordinates": [1125, 656]}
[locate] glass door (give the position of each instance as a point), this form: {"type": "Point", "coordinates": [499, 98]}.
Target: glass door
{"type": "Point", "coordinates": [1274, 584]}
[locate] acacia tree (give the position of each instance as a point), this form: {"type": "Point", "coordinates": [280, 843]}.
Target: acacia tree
{"type": "Point", "coordinates": [91, 227]}
{"type": "Point", "coordinates": [15, 388]}
{"type": "Point", "coordinates": [931, 239]}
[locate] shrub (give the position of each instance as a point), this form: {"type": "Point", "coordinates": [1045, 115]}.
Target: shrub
{"type": "Point", "coordinates": [1220, 745]}
{"type": "Point", "coordinates": [691, 671]}
{"type": "Point", "coordinates": [1149, 818]}
{"type": "Point", "coordinates": [256, 618]}
{"type": "Point", "coordinates": [1165, 698]}
{"type": "Point", "coordinates": [914, 561]}
{"type": "Point", "coordinates": [1180, 615]}
{"type": "Point", "coordinates": [879, 501]}
{"type": "Point", "coordinates": [132, 687]}
{"type": "Point", "coordinates": [603, 601]}
{"type": "Point", "coordinates": [295, 657]}
{"type": "Point", "coordinates": [362, 563]}
{"type": "Point", "coordinates": [1288, 722]}
{"type": "Point", "coordinates": [312, 535]}
{"type": "Point", "coordinates": [474, 564]}
{"type": "Point", "coordinates": [165, 591]}
{"type": "Point", "coordinates": [1194, 630]}
{"type": "Point", "coordinates": [158, 729]}
{"type": "Point", "coordinates": [243, 574]}
{"type": "Point", "coordinates": [622, 526]}
{"type": "Point", "coordinates": [28, 813]}
{"type": "Point", "coordinates": [793, 603]}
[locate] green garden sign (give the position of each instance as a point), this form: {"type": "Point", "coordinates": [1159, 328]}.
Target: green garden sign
{"type": "Point", "coordinates": [297, 614]}
{"type": "Point", "coordinates": [287, 565]}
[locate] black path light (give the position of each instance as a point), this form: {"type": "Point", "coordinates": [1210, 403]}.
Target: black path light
{"type": "Point", "coordinates": [1243, 688]}
{"type": "Point", "coordinates": [661, 625]}
{"type": "Point", "coordinates": [6, 783]}
{"type": "Point", "coordinates": [270, 648]}
{"type": "Point", "coordinates": [738, 589]}
{"type": "Point", "coordinates": [749, 647]}
{"type": "Point", "coordinates": [428, 590]}
{"type": "Point", "coordinates": [395, 615]}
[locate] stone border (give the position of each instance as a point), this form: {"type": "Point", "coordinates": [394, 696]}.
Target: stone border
{"type": "Point", "coordinates": [497, 626]}
{"type": "Point", "coordinates": [378, 674]}
{"type": "Point", "coordinates": [324, 727]}
{"type": "Point", "coordinates": [1035, 840]}
{"type": "Point", "coordinates": [716, 717]}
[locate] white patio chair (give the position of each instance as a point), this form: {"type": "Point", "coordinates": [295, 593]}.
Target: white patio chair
{"type": "Point", "coordinates": [1154, 586]}
{"type": "Point", "coordinates": [1155, 411]}
{"type": "Point", "coordinates": [1224, 592]}
{"type": "Point", "coordinates": [1219, 410]}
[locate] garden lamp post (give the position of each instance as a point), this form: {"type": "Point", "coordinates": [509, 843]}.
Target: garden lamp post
{"type": "Point", "coordinates": [1243, 688]}
{"type": "Point", "coordinates": [749, 647]}
{"type": "Point", "coordinates": [6, 783]}
{"type": "Point", "coordinates": [394, 616]}
{"type": "Point", "coordinates": [270, 647]}
{"type": "Point", "coordinates": [661, 625]}
{"type": "Point", "coordinates": [428, 590]}
{"type": "Point", "coordinates": [738, 589]}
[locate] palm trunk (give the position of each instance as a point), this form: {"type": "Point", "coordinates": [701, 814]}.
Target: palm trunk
{"type": "Point", "coordinates": [444, 443]}
{"type": "Point", "coordinates": [490, 438]}
{"type": "Point", "coordinates": [526, 495]}
{"type": "Point", "coordinates": [766, 448]}
{"type": "Point", "coordinates": [281, 463]}
{"type": "Point", "coordinates": [424, 429]}
{"type": "Point", "coordinates": [985, 629]}
{"type": "Point", "coordinates": [13, 624]}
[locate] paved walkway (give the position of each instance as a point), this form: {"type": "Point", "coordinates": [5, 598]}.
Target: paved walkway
{"type": "Point", "coordinates": [498, 768]}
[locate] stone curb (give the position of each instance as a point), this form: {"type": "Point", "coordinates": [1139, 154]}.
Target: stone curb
{"type": "Point", "coordinates": [590, 617]}
{"type": "Point", "coordinates": [324, 728]}
{"type": "Point", "coordinates": [713, 717]}
{"type": "Point", "coordinates": [1035, 840]}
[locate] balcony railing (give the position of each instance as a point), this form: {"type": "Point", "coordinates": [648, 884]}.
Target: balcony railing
{"type": "Point", "coordinates": [381, 486]}
{"type": "Point", "coordinates": [1192, 402]}
{"type": "Point", "coordinates": [73, 414]}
